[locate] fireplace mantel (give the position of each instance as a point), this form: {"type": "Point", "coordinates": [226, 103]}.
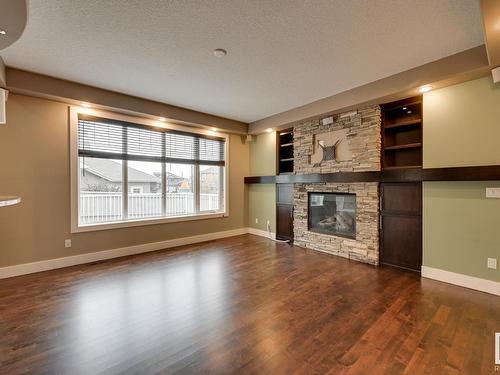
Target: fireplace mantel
{"type": "Point", "coordinates": [473, 173]}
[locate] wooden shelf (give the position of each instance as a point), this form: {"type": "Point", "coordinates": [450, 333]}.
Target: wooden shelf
{"type": "Point", "coordinates": [389, 174]}
{"type": "Point", "coordinates": [400, 147]}
{"type": "Point", "coordinates": [404, 123]}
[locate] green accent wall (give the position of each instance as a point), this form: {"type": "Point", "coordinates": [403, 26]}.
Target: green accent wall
{"type": "Point", "coordinates": [460, 225]}
{"type": "Point", "coordinates": [461, 228]}
{"type": "Point", "coordinates": [262, 197]}
{"type": "Point", "coordinates": [462, 125]}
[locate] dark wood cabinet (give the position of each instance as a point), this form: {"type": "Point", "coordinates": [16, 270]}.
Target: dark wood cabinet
{"type": "Point", "coordinates": [401, 225]}
{"type": "Point", "coordinates": [284, 212]}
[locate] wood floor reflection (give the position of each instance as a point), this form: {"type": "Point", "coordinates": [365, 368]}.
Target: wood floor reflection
{"type": "Point", "coordinates": [242, 305]}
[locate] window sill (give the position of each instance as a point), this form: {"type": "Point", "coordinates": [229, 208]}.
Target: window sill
{"type": "Point", "coordinates": [144, 222]}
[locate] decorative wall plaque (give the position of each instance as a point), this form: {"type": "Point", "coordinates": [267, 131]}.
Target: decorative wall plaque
{"type": "Point", "coordinates": [331, 146]}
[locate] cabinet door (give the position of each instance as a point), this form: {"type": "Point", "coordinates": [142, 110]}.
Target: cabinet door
{"type": "Point", "coordinates": [401, 225]}
{"type": "Point", "coordinates": [284, 222]}
{"type": "Point", "coordinates": [284, 211]}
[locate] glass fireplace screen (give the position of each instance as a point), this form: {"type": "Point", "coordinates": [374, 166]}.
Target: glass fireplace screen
{"type": "Point", "coordinates": [333, 214]}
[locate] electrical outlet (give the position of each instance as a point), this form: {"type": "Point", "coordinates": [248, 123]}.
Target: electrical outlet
{"type": "Point", "coordinates": [256, 221]}
{"type": "Point", "coordinates": [492, 263]}
{"type": "Point", "coordinates": [67, 243]}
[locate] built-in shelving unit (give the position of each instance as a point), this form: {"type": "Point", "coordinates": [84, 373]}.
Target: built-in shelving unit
{"type": "Point", "coordinates": [284, 140]}
{"type": "Point", "coordinates": [402, 134]}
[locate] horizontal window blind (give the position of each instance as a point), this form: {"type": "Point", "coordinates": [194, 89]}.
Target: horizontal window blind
{"type": "Point", "coordinates": [113, 139]}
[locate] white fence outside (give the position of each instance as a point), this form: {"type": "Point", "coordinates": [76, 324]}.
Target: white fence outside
{"type": "Point", "coordinates": [101, 207]}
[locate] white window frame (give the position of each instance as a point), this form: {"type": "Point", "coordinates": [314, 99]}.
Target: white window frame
{"type": "Point", "coordinates": [76, 227]}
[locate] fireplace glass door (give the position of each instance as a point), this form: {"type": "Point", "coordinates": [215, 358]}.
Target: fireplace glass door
{"type": "Point", "coordinates": [333, 214]}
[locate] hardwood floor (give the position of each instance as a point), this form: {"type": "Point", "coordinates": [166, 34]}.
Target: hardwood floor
{"type": "Point", "coordinates": [242, 305]}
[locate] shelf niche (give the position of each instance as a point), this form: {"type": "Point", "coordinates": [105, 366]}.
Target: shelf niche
{"type": "Point", "coordinates": [284, 140]}
{"type": "Point", "coordinates": [402, 134]}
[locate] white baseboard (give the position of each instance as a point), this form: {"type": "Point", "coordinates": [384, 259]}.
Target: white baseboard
{"type": "Point", "coordinates": [51, 264]}
{"type": "Point", "coordinates": [260, 232]}
{"type": "Point", "coordinates": [471, 282]}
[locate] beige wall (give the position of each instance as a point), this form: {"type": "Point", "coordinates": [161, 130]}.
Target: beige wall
{"type": "Point", "coordinates": [34, 164]}
{"type": "Point", "coordinates": [461, 128]}
{"type": "Point", "coordinates": [262, 197]}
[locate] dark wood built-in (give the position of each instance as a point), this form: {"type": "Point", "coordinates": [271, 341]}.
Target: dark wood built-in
{"type": "Point", "coordinates": [284, 192]}
{"type": "Point", "coordinates": [479, 173]}
{"type": "Point", "coordinates": [401, 180]}
{"type": "Point", "coordinates": [401, 225]}
{"type": "Point", "coordinates": [284, 212]}
{"type": "Point", "coordinates": [402, 134]}
{"type": "Point", "coordinates": [242, 305]}
{"type": "Point", "coordinates": [284, 151]}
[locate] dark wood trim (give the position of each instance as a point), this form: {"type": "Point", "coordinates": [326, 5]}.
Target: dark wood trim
{"type": "Point", "coordinates": [478, 173]}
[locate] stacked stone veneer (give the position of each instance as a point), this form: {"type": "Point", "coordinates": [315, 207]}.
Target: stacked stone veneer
{"type": "Point", "coordinates": [363, 137]}
{"type": "Point", "coordinates": [364, 141]}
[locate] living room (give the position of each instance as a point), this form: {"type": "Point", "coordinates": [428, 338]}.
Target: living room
{"type": "Point", "coordinates": [249, 187]}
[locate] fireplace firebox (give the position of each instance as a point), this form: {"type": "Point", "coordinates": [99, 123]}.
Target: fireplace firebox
{"type": "Point", "coordinates": [332, 213]}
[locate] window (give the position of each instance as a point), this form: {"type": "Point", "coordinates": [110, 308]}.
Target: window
{"type": "Point", "coordinates": [130, 172]}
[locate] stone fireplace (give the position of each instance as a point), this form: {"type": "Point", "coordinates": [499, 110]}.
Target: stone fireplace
{"type": "Point", "coordinates": [339, 218]}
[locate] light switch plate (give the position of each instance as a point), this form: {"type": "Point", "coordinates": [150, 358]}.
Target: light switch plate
{"type": "Point", "coordinates": [492, 263]}
{"type": "Point", "coordinates": [492, 192]}
{"type": "Point", "coordinates": [496, 74]}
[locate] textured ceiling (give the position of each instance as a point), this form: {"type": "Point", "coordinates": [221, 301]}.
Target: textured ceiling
{"type": "Point", "coordinates": [282, 53]}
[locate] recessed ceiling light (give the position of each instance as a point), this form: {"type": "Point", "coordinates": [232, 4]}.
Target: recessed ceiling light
{"type": "Point", "coordinates": [3, 32]}
{"type": "Point", "coordinates": [404, 108]}
{"type": "Point", "coordinates": [162, 119]}
{"type": "Point", "coordinates": [269, 130]}
{"type": "Point", "coordinates": [425, 88]}
{"type": "Point", "coordinates": [220, 52]}
{"type": "Point", "coordinates": [86, 105]}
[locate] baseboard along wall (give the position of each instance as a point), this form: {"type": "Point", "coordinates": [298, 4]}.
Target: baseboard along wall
{"type": "Point", "coordinates": [471, 282]}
